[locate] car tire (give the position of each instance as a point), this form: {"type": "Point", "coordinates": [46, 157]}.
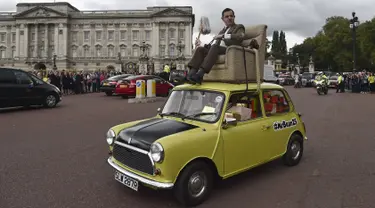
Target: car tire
{"type": "Point", "coordinates": [294, 150]}
{"type": "Point", "coordinates": [124, 96]}
{"type": "Point", "coordinates": [50, 101]}
{"type": "Point", "coordinates": [196, 174]}
{"type": "Point", "coordinates": [109, 93]}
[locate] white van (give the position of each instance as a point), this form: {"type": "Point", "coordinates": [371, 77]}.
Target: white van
{"type": "Point", "coordinates": [269, 74]}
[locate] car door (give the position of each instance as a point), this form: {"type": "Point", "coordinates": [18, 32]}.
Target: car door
{"type": "Point", "coordinates": [161, 87]}
{"type": "Point", "coordinates": [8, 89]}
{"type": "Point", "coordinates": [244, 145]}
{"type": "Point", "coordinates": [280, 121]}
{"type": "Point", "coordinates": [25, 88]}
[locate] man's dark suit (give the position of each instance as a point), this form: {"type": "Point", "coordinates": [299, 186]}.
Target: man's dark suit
{"type": "Point", "coordinates": [205, 58]}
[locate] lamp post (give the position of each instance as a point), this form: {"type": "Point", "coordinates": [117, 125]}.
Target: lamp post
{"type": "Point", "coordinates": [54, 62]}
{"type": "Point", "coordinates": [143, 58]}
{"type": "Point", "coordinates": [181, 57]}
{"type": "Point", "coordinates": [354, 23]}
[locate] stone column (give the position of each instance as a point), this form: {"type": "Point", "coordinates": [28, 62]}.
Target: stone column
{"type": "Point", "coordinates": [65, 40]}
{"type": "Point", "coordinates": [46, 40]}
{"type": "Point", "coordinates": [18, 41]}
{"type": "Point", "coordinates": [189, 39]}
{"type": "Point", "coordinates": [36, 42]}
{"type": "Point", "coordinates": [26, 41]}
{"type": "Point", "coordinates": [57, 49]}
{"type": "Point", "coordinates": [155, 39]}
{"type": "Point", "coordinates": [167, 39]}
{"type": "Point", "coordinates": [186, 39]}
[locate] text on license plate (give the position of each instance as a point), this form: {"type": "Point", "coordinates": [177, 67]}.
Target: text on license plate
{"type": "Point", "coordinates": [127, 181]}
{"type": "Point", "coordinates": [123, 86]}
{"type": "Point", "coordinates": [105, 84]}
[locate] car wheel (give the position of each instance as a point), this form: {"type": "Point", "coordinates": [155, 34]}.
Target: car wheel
{"type": "Point", "coordinates": [50, 101]}
{"type": "Point", "coordinates": [109, 93]}
{"type": "Point", "coordinates": [124, 96]}
{"type": "Point", "coordinates": [194, 185]}
{"type": "Point", "coordinates": [294, 150]}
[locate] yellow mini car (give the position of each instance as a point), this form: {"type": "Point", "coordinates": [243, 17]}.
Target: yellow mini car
{"type": "Point", "coordinates": [207, 132]}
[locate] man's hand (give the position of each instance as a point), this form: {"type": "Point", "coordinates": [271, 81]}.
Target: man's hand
{"type": "Point", "coordinates": [197, 43]}
{"type": "Point", "coordinates": [219, 37]}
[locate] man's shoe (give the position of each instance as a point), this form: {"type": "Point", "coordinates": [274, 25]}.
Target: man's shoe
{"type": "Point", "coordinates": [198, 77]}
{"type": "Point", "coordinates": [190, 75]}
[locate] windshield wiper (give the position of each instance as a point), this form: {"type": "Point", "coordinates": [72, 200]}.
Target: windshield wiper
{"type": "Point", "coordinates": [200, 114]}
{"type": "Point", "coordinates": [177, 114]}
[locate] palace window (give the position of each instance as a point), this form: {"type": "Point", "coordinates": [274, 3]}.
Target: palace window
{"type": "Point", "coordinates": [2, 52]}
{"type": "Point", "coordinates": [148, 35]}
{"type": "Point", "coordinates": [74, 51]}
{"type": "Point", "coordinates": [123, 35]}
{"type": "Point", "coordinates": [111, 35]}
{"type": "Point", "coordinates": [172, 33]}
{"type": "Point", "coordinates": [2, 37]}
{"type": "Point", "coordinates": [162, 50]}
{"type": "Point", "coordinates": [162, 34]}
{"type": "Point", "coordinates": [123, 50]}
{"type": "Point", "coordinates": [13, 52]}
{"type": "Point", "coordinates": [172, 50]}
{"type": "Point", "coordinates": [181, 34]}
{"type": "Point", "coordinates": [86, 51]}
{"type": "Point", "coordinates": [98, 51]}
{"type": "Point", "coordinates": [135, 35]}
{"type": "Point", "coordinates": [111, 51]}
{"type": "Point", "coordinates": [135, 50]}
{"type": "Point", "coordinates": [98, 35]}
{"type": "Point", "coordinates": [13, 37]}
{"type": "Point", "coordinates": [74, 36]}
{"type": "Point", "coordinates": [86, 35]}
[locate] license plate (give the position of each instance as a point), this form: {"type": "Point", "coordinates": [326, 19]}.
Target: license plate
{"type": "Point", "coordinates": [105, 84]}
{"type": "Point", "coordinates": [123, 86]}
{"type": "Point", "coordinates": [127, 181]}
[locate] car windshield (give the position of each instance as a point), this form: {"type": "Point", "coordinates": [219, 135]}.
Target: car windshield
{"type": "Point", "coordinates": [333, 78]}
{"type": "Point", "coordinates": [117, 77]}
{"type": "Point", "coordinates": [36, 79]}
{"type": "Point", "coordinates": [199, 105]}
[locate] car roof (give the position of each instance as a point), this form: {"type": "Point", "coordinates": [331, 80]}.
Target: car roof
{"type": "Point", "coordinates": [228, 87]}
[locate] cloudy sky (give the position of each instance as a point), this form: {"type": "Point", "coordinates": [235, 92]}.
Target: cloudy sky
{"type": "Point", "coordinates": [298, 18]}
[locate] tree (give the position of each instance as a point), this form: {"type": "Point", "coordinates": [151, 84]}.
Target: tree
{"type": "Point", "coordinates": [332, 47]}
{"type": "Point", "coordinates": [275, 42]}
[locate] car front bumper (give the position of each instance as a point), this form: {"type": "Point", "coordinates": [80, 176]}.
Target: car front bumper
{"type": "Point", "coordinates": [141, 179]}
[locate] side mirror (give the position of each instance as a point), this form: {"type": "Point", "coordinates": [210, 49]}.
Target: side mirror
{"type": "Point", "coordinates": [158, 110]}
{"type": "Point", "coordinates": [31, 85]}
{"type": "Point", "coordinates": [229, 122]}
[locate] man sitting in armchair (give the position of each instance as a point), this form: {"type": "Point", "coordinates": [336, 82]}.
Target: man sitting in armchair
{"type": "Point", "coordinates": [205, 57]}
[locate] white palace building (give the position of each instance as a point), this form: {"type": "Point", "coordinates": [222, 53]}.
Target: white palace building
{"type": "Point", "coordinates": [58, 34]}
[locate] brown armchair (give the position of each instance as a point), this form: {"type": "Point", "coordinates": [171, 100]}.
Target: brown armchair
{"type": "Point", "coordinates": [230, 67]}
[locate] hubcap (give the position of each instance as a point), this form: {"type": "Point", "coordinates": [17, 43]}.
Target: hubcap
{"type": "Point", "coordinates": [296, 150]}
{"type": "Point", "coordinates": [197, 184]}
{"type": "Point", "coordinates": [50, 100]}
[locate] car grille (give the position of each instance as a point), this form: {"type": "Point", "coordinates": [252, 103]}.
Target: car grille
{"type": "Point", "coordinates": [133, 159]}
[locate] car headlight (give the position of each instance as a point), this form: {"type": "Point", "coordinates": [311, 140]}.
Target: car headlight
{"type": "Point", "coordinates": [157, 152]}
{"type": "Point", "coordinates": [111, 135]}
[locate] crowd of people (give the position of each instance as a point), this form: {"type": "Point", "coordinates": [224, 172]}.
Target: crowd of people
{"type": "Point", "coordinates": [360, 82]}
{"type": "Point", "coordinates": [70, 82]}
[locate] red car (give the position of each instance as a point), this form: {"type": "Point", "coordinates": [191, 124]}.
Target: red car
{"type": "Point", "coordinates": [126, 87]}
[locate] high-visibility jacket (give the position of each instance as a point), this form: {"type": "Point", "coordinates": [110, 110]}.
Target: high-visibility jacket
{"type": "Point", "coordinates": [339, 79]}
{"type": "Point", "coordinates": [371, 79]}
{"type": "Point", "coordinates": [167, 69]}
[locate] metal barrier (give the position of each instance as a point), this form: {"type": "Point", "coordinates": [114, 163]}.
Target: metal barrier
{"type": "Point", "coordinates": [140, 90]}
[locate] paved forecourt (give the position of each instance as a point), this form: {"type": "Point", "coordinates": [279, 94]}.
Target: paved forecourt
{"type": "Point", "coordinates": [58, 157]}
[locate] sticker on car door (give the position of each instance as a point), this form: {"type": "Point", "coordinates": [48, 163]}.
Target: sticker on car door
{"type": "Point", "coordinates": [280, 125]}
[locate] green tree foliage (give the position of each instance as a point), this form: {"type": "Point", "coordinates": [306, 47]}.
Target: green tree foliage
{"type": "Point", "coordinates": [278, 46]}
{"type": "Point", "coordinates": [332, 46]}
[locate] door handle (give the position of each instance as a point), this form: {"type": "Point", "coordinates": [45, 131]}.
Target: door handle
{"type": "Point", "coordinates": [266, 127]}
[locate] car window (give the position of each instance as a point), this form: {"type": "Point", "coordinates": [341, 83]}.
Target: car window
{"type": "Point", "coordinates": [275, 102]}
{"type": "Point", "coordinates": [22, 78]}
{"type": "Point", "coordinates": [7, 77]}
{"type": "Point", "coordinates": [244, 106]}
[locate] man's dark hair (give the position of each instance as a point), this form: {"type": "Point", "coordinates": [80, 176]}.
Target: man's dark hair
{"type": "Point", "coordinates": [226, 10]}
